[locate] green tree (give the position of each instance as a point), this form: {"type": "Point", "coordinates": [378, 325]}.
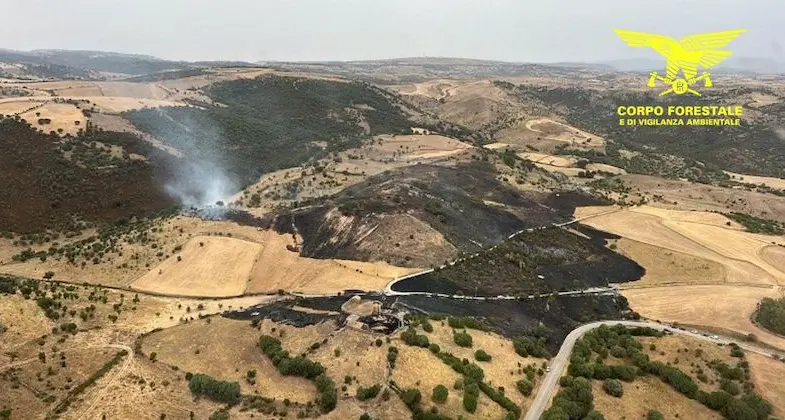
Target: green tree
{"type": "Point", "coordinates": [525, 387]}
{"type": "Point", "coordinates": [613, 387]}
{"type": "Point", "coordinates": [440, 394]}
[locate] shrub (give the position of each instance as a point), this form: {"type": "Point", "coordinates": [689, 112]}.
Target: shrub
{"type": "Point", "coordinates": [470, 394]}
{"type": "Point", "coordinates": [731, 387]}
{"type": "Point", "coordinates": [739, 410]}
{"type": "Point", "coordinates": [462, 339]}
{"type": "Point", "coordinates": [426, 326]}
{"type": "Point", "coordinates": [440, 394]}
{"type": "Point", "coordinates": [528, 346]}
{"type": "Point", "coordinates": [525, 387]}
{"type": "Point", "coordinates": [219, 391]}
{"type": "Point", "coordinates": [771, 314]}
{"type": "Point", "coordinates": [411, 397]}
{"type": "Point", "coordinates": [717, 400]}
{"type": "Point", "coordinates": [328, 395]}
{"type": "Point", "coordinates": [482, 356]}
{"type": "Point", "coordinates": [368, 393]}
{"type": "Point", "coordinates": [466, 322]}
{"type": "Point", "coordinates": [613, 387]}
{"type": "Point", "coordinates": [654, 415]}
{"type": "Point", "coordinates": [411, 338]}
{"type": "Point", "coordinates": [761, 406]}
{"type": "Point", "coordinates": [434, 348]}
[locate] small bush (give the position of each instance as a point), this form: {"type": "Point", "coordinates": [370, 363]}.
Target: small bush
{"type": "Point", "coordinates": [368, 393]}
{"type": "Point", "coordinates": [462, 339]}
{"type": "Point", "coordinates": [482, 356]}
{"type": "Point", "coordinates": [440, 394]}
{"type": "Point", "coordinates": [613, 387]}
{"type": "Point", "coordinates": [525, 387]}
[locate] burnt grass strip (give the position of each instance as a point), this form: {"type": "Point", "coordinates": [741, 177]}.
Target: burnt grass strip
{"type": "Point", "coordinates": [283, 313]}
{"type": "Point", "coordinates": [536, 262]}
{"type": "Point", "coordinates": [514, 318]}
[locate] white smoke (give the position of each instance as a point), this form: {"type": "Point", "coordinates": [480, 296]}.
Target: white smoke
{"type": "Point", "coordinates": [199, 179]}
{"type": "Point", "coordinates": [200, 184]}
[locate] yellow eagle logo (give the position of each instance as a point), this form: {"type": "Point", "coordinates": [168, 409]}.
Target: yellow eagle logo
{"type": "Point", "coordinates": [685, 54]}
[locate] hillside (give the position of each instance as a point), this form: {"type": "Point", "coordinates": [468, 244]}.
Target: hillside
{"type": "Point", "coordinates": [401, 215]}
{"type": "Point", "coordinates": [62, 183]}
{"type": "Point", "coordinates": [693, 152]}
{"type": "Point", "coordinates": [253, 121]}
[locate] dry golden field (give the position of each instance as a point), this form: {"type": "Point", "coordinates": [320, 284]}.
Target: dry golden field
{"type": "Point", "coordinates": [207, 266]}
{"type": "Point", "coordinates": [649, 393]}
{"type": "Point", "coordinates": [225, 349]}
{"type": "Point", "coordinates": [723, 306]}
{"type": "Point", "coordinates": [767, 375]}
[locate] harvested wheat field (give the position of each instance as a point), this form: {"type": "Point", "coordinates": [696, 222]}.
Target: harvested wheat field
{"type": "Point", "coordinates": [774, 256]}
{"type": "Point", "coordinates": [649, 393]}
{"type": "Point", "coordinates": [702, 235]}
{"type": "Point", "coordinates": [65, 118]}
{"type": "Point", "coordinates": [418, 368]}
{"type": "Point", "coordinates": [13, 106]}
{"type": "Point", "coordinates": [767, 375]}
{"type": "Point", "coordinates": [226, 349]}
{"type": "Point", "coordinates": [551, 160]}
{"type": "Point", "coordinates": [279, 268]}
{"type": "Point", "coordinates": [726, 307]}
{"type": "Point", "coordinates": [768, 181]}
{"type": "Point", "coordinates": [412, 147]}
{"type": "Point", "coordinates": [207, 266]}
{"type": "Point", "coordinates": [555, 130]}
{"type": "Point", "coordinates": [664, 266]}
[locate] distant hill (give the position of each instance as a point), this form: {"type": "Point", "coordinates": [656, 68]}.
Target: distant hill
{"type": "Point", "coordinates": [754, 65]}
{"type": "Point", "coordinates": [72, 64]}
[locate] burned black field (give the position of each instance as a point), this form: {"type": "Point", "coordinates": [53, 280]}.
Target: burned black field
{"type": "Point", "coordinates": [542, 261]}
{"type": "Point", "coordinates": [510, 318]}
{"type": "Point", "coordinates": [451, 200]}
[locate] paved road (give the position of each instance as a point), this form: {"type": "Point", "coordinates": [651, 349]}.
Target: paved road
{"type": "Point", "coordinates": [559, 363]}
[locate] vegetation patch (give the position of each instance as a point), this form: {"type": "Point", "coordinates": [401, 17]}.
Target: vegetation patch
{"type": "Point", "coordinates": [301, 366]}
{"type": "Point", "coordinates": [757, 225]}
{"type": "Point", "coordinates": [771, 314]}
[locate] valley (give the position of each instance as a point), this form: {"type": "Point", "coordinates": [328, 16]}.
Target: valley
{"type": "Point", "coordinates": [415, 238]}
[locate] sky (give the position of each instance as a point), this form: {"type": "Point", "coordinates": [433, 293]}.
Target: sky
{"type": "Point", "coordinates": [318, 30]}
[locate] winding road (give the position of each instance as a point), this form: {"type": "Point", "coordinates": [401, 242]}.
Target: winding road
{"type": "Point", "coordinates": [559, 363]}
